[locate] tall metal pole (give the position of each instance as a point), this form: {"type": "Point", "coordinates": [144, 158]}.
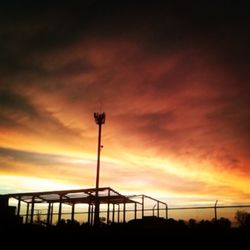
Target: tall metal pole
{"type": "Point", "coordinates": [99, 119]}
{"type": "Point", "coordinates": [97, 205]}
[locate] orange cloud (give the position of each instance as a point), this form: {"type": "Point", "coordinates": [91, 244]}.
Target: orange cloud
{"type": "Point", "coordinates": [177, 107]}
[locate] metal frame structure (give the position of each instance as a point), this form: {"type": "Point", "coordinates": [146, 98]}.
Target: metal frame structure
{"type": "Point", "coordinates": [106, 195]}
{"type": "Point", "coordinates": [143, 197]}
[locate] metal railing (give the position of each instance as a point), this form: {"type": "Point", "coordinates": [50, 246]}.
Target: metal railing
{"type": "Point", "coordinates": [197, 213]}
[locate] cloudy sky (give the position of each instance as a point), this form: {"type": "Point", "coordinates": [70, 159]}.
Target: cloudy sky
{"type": "Point", "coordinates": [173, 80]}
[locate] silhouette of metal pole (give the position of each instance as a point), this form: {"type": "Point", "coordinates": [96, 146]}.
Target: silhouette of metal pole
{"type": "Point", "coordinates": [99, 119]}
{"type": "Point", "coordinates": [215, 210]}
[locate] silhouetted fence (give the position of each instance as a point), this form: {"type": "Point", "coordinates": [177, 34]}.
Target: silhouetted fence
{"type": "Point", "coordinates": [197, 213]}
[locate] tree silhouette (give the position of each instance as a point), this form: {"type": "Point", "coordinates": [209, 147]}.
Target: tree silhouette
{"type": "Point", "coordinates": [243, 218]}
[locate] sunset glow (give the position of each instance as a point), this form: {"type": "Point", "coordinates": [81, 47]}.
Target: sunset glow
{"type": "Point", "coordinates": [175, 88]}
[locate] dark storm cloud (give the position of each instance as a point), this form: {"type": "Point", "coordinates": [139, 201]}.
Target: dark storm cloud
{"type": "Point", "coordinates": [10, 100]}
{"type": "Point", "coordinates": [173, 78]}
{"type": "Point", "coordinates": [20, 113]}
{"type": "Point", "coordinates": [13, 108]}
{"type": "Point", "coordinates": [31, 30]}
{"type": "Point", "coordinates": [54, 24]}
{"type": "Point", "coordinates": [152, 125]}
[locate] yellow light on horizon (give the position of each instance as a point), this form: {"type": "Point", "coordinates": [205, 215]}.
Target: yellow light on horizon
{"type": "Point", "coordinates": [27, 183]}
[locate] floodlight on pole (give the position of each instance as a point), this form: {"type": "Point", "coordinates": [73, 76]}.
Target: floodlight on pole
{"type": "Point", "coordinates": [99, 119]}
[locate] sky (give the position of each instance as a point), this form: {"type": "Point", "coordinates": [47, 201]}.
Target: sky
{"type": "Point", "coordinates": [172, 78]}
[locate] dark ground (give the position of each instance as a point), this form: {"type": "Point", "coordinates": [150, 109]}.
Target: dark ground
{"type": "Point", "coordinates": [134, 234]}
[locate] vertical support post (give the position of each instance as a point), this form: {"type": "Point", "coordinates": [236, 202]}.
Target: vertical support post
{"type": "Point", "coordinates": [158, 209]}
{"type": "Point", "coordinates": [113, 214]}
{"type": "Point", "coordinates": [51, 214]}
{"type": "Point", "coordinates": [60, 209]}
{"type": "Point", "coordinates": [142, 212]}
{"type": "Point", "coordinates": [73, 212]}
{"type": "Point", "coordinates": [118, 217]}
{"type": "Point", "coordinates": [89, 214]}
{"type": "Point", "coordinates": [19, 206]}
{"type": "Point", "coordinates": [27, 213]}
{"type": "Point", "coordinates": [108, 207]}
{"type": "Point", "coordinates": [32, 209]}
{"type": "Point", "coordinates": [154, 210]}
{"type": "Point", "coordinates": [48, 214]}
{"type": "Point", "coordinates": [135, 211]}
{"type": "Point", "coordinates": [166, 211]}
{"type": "Point", "coordinates": [215, 210]}
{"type": "Point", "coordinates": [92, 214]}
{"type": "Point", "coordinates": [124, 212]}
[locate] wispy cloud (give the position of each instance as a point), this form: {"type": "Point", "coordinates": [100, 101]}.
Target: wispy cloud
{"type": "Point", "coordinates": [174, 85]}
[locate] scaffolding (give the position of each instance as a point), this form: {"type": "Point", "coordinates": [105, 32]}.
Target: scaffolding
{"type": "Point", "coordinates": [115, 204]}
